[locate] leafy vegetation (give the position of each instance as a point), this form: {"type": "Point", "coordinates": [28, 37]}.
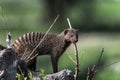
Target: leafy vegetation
{"type": "Point", "coordinates": [20, 77]}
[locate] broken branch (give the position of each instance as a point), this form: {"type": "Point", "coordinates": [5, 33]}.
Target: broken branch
{"type": "Point", "coordinates": [77, 63]}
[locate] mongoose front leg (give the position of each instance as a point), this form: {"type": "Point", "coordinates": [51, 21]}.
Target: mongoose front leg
{"type": "Point", "coordinates": [54, 64]}
{"type": "Point", "coordinates": [32, 65]}
{"type": "Point", "coordinates": [22, 67]}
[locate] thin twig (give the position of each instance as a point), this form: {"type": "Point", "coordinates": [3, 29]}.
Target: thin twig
{"type": "Point", "coordinates": [43, 37]}
{"type": "Point", "coordinates": [100, 57]}
{"type": "Point", "coordinates": [108, 65]}
{"type": "Point", "coordinates": [77, 63]}
{"type": "Point", "coordinates": [31, 58]}
{"type": "Point", "coordinates": [21, 71]}
{"type": "Point", "coordinates": [76, 54]}
{"type": "Point", "coordinates": [92, 71]}
{"type": "Point", "coordinates": [71, 57]}
{"type": "Point", "coordinates": [69, 23]}
{"type": "Point", "coordinates": [24, 57]}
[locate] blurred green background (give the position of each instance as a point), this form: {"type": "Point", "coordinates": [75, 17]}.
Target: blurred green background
{"type": "Point", "coordinates": [98, 22]}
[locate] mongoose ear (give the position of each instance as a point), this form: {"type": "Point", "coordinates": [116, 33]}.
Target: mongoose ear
{"type": "Point", "coordinates": [77, 30]}
{"type": "Point", "coordinates": [66, 31]}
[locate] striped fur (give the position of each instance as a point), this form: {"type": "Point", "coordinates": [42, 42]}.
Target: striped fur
{"type": "Point", "coordinates": [53, 45]}
{"type": "Point", "coordinates": [30, 41]}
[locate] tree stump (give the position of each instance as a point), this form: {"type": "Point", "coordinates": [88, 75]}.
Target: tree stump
{"type": "Point", "coordinates": [62, 75]}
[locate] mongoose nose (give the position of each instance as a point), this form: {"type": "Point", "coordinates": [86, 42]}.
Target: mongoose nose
{"type": "Point", "coordinates": [74, 40]}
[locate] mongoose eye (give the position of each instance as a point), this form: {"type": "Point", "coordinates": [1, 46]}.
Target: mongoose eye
{"type": "Point", "coordinates": [71, 35]}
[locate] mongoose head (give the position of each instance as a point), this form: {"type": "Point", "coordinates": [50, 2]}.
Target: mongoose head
{"type": "Point", "coordinates": [71, 35]}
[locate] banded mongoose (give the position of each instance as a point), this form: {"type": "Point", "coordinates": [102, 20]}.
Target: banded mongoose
{"type": "Point", "coordinates": [53, 45]}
